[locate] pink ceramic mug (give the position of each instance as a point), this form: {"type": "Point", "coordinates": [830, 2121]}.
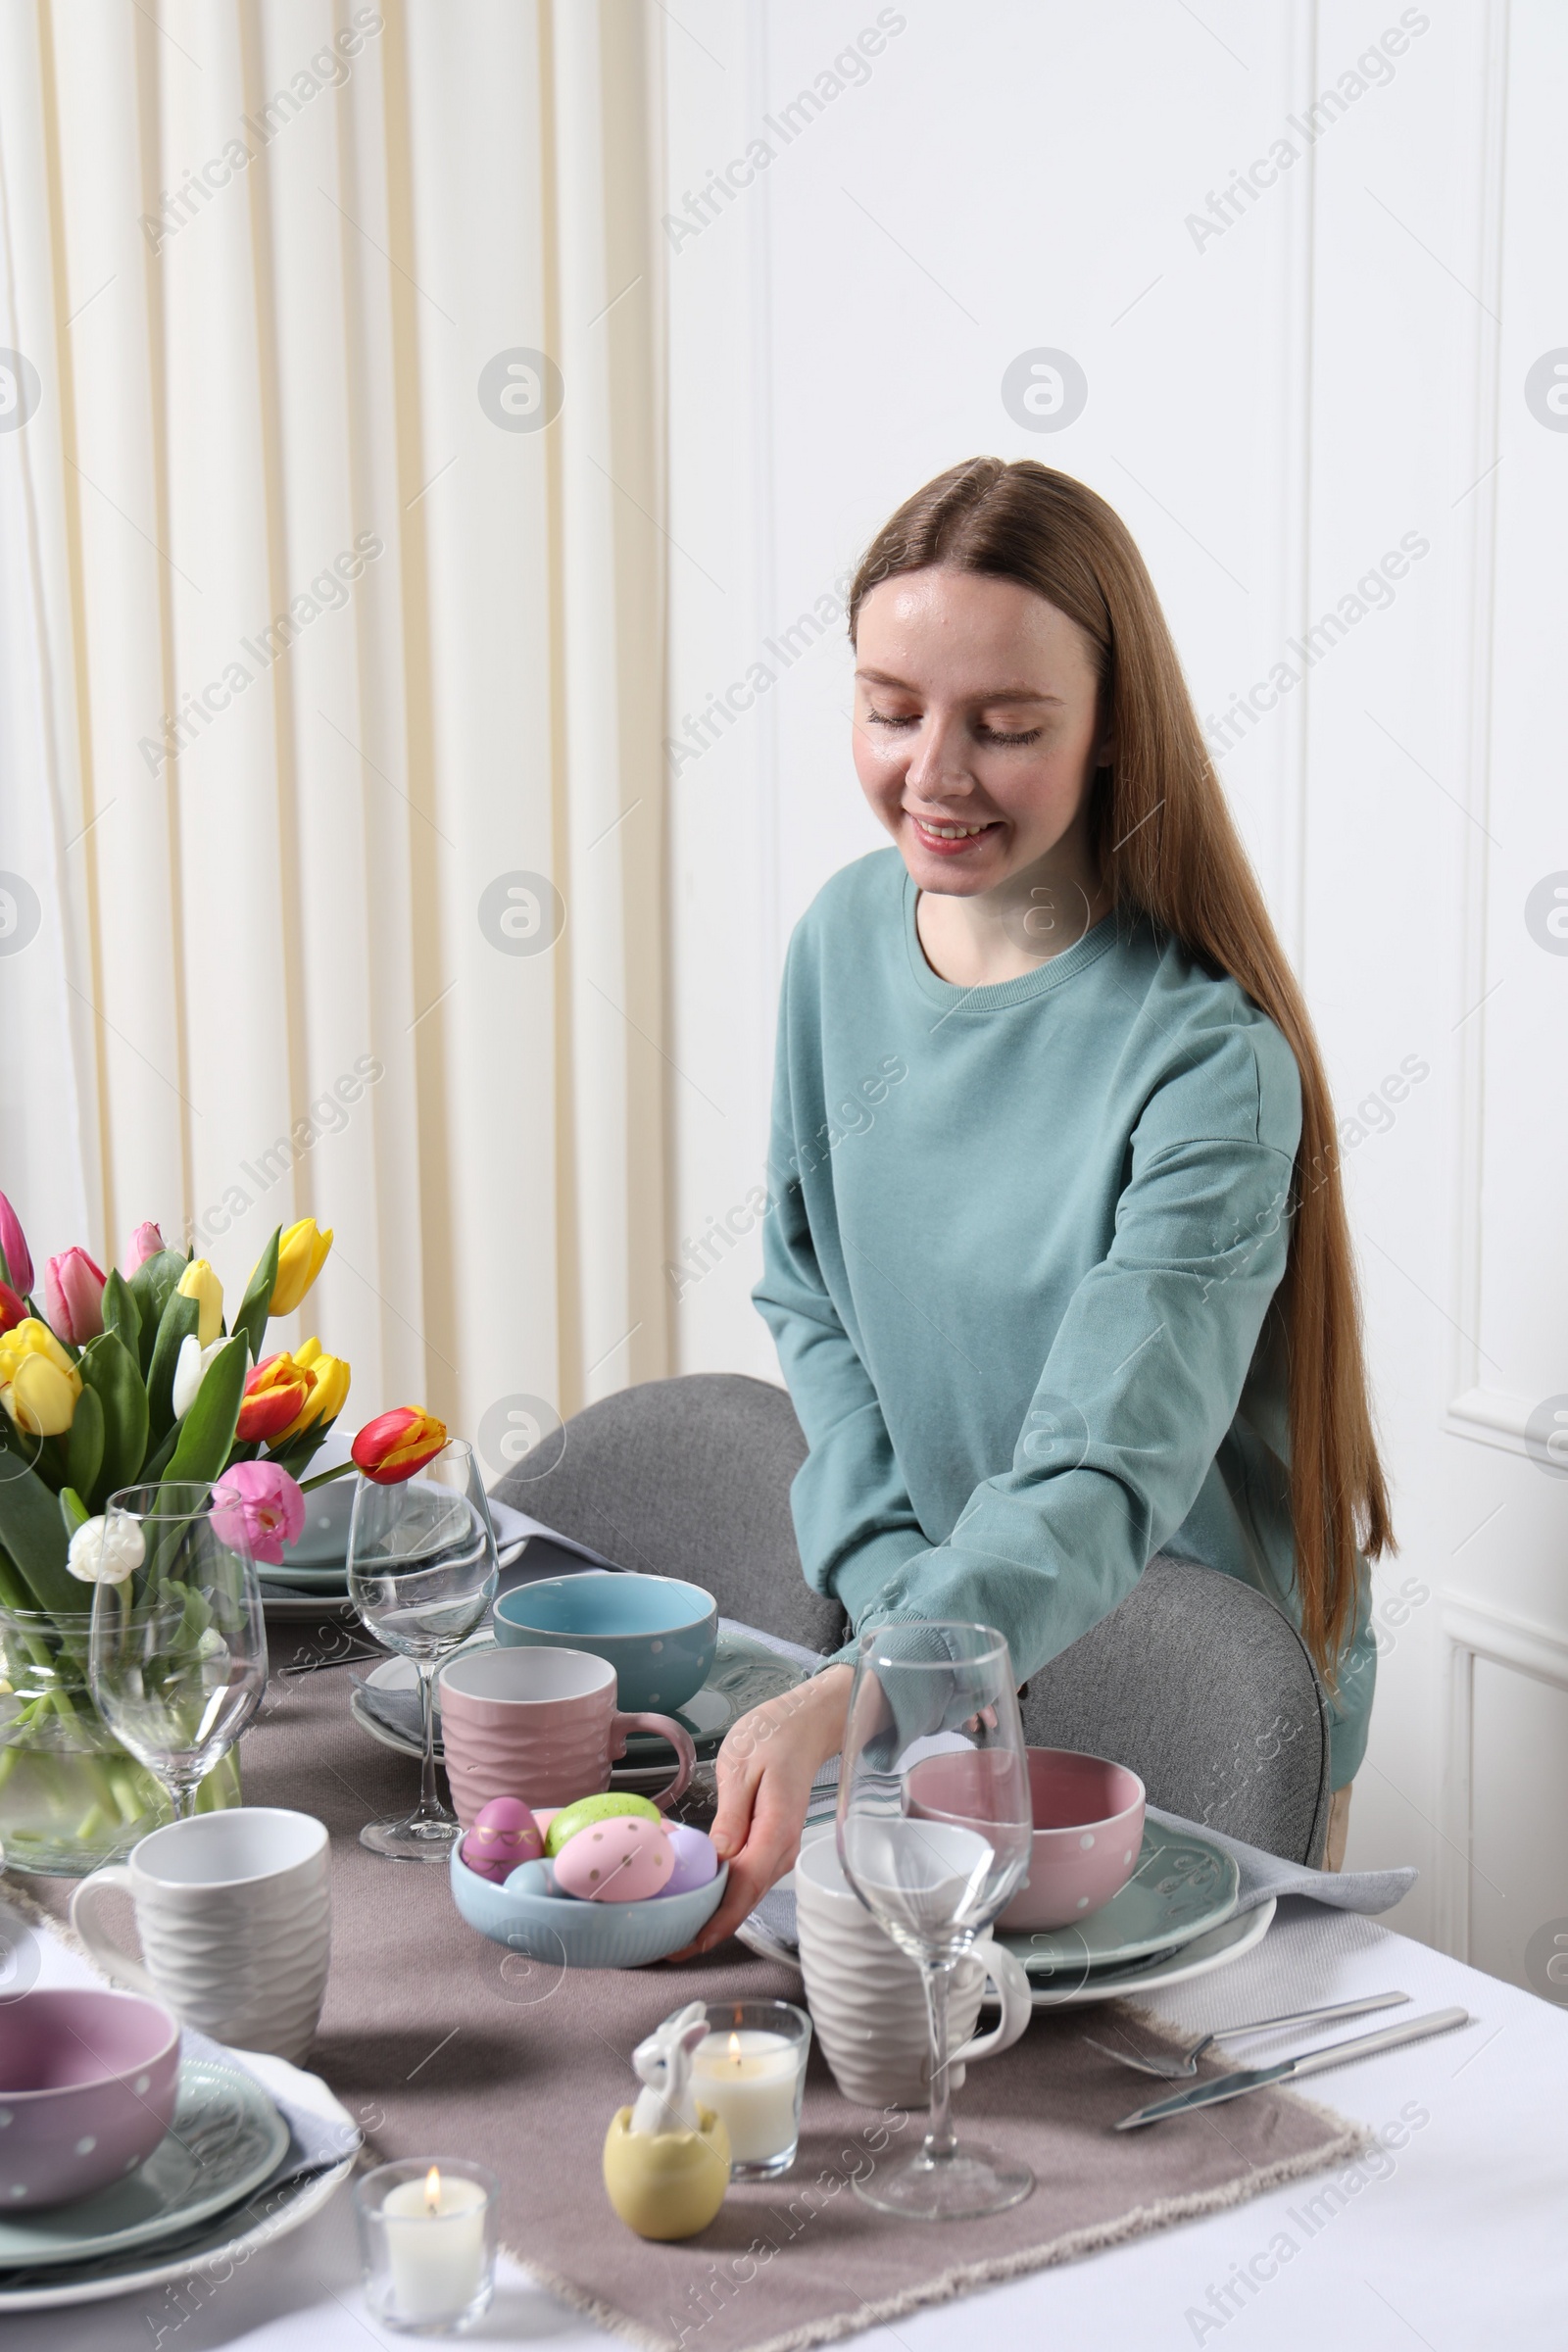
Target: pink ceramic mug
{"type": "Point", "coordinates": [542, 1725]}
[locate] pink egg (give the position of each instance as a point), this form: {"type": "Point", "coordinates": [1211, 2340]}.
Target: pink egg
{"type": "Point", "coordinates": [622, 1860]}
{"type": "Point", "coordinates": [504, 1835]}
{"type": "Point", "coordinates": [696, 1858]}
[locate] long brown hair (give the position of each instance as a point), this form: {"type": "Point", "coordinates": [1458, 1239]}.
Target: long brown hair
{"type": "Point", "coordinates": [1168, 849]}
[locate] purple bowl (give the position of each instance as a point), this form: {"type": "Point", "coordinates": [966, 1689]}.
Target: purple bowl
{"type": "Point", "coordinates": [89, 2082]}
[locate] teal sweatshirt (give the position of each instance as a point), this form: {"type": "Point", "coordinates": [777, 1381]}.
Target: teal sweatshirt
{"type": "Point", "coordinates": [1019, 1265]}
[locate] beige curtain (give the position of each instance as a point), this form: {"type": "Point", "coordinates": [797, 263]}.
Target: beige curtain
{"type": "Point", "coordinates": [331, 651]}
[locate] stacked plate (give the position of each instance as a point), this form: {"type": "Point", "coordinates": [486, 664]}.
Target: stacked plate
{"type": "Point", "coordinates": [314, 1578]}
{"type": "Point", "coordinates": [230, 2173]}
{"type": "Point", "coordinates": [745, 1672]}
{"type": "Point", "coordinates": [1176, 1918]}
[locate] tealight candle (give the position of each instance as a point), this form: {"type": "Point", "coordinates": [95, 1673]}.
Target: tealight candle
{"type": "Point", "coordinates": [428, 2233]}
{"type": "Point", "coordinates": [751, 2070]}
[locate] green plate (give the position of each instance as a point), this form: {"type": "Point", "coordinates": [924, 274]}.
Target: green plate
{"type": "Point", "coordinates": [1183, 1886]}
{"type": "Point", "coordinates": [225, 2137]}
{"type": "Point", "coordinates": [745, 1673]}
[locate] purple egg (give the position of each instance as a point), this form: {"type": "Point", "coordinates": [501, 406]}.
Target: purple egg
{"type": "Point", "coordinates": [504, 1836]}
{"type": "Point", "coordinates": [696, 1858]}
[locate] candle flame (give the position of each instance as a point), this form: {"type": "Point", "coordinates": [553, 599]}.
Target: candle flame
{"type": "Point", "coordinates": [432, 2189]}
{"type": "Point", "coordinates": [735, 2047]}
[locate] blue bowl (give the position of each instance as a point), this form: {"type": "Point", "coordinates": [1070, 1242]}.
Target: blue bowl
{"type": "Point", "coordinates": [557, 1932]}
{"type": "Point", "coordinates": [657, 1632]}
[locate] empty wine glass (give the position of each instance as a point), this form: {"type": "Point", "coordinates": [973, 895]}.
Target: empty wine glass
{"type": "Point", "coordinates": [177, 1659]}
{"type": "Point", "coordinates": [934, 1827]}
{"type": "Point", "coordinates": [421, 1574]}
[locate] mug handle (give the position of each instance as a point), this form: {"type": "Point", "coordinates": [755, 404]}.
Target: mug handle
{"type": "Point", "coordinates": [112, 1957]}
{"type": "Point", "coordinates": [680, 1739]}
{"type": "Point", "coordinates": [1006, 1972]}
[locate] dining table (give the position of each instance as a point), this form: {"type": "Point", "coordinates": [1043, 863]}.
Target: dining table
{"type": "Point", "coordinates": [1449, 2232]}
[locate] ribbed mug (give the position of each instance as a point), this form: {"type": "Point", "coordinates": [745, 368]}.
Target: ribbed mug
{"type": "Point", "coordinates": [542, 1725]}
{"type": "Point", "coordinates": [234, 1917]}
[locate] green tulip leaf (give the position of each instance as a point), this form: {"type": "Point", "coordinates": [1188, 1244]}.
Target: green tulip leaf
{"type": "Point", "coordinates": [34, 1534]}
{"type": "Point", "coordinates": [152, 1286]}
{"type": "Point", "coordinates": [208, 1430]}
{"type": "Point", "coordinates": [73, 1510]}
{"type": "Point", "coordinates": [110, 1369]}
{"type": "Point", "coordinates": [122, 1314]}
{"type": "Point", "coordinates": [84, 1452]}
{"type": "Point", "coordinates": [257, 1303]}
{"type": "Point", "coordinates": [157, 1462]}
{"type": "Point", "coordinates": [181, 1316]}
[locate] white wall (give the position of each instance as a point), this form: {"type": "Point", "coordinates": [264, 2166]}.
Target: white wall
{"type": "Point", "coordinates": [1272, 408]}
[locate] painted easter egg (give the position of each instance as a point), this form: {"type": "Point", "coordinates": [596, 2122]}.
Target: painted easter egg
{"type": "Point", "coordinates": [614, 1805]}
{"type": "Point", "coordinates": [696, 1858]}
{"type": "Point", "coordinates": [504, 1835]}
{"type": "Point", "coordinates": [531, 1878]}
{"type": "Point", "coordinates": [622, 1859]}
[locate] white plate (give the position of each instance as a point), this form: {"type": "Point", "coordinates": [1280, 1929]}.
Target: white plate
{"type": "Point", "coordinates": [1216, 1948]}
{"type": "Point", "coordinates": [226, 2242]}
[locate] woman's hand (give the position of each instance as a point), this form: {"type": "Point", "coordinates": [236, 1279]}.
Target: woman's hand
{"type": "Point", "coordinates": [765, 1770]}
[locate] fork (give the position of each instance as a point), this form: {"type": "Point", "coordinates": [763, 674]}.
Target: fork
{"type": "Point", "coordinates": [1177, 2069]}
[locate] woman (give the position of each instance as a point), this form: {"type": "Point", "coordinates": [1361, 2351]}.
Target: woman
{"type": "Point", "coordinates": [1057, 1266]}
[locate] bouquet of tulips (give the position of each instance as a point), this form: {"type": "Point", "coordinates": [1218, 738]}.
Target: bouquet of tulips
{"type": "Point", "coordinates": [130, 1379]}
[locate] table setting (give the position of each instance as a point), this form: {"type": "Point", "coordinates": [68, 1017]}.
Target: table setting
{"type": "Point", "coordinates": [464, 2009]}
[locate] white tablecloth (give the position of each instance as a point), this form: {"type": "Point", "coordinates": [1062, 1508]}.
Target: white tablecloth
{"type": "Point", "coordinates": [1458, 2239]}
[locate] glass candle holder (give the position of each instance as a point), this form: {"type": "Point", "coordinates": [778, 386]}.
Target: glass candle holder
{"type": "Point", "coordinates": [427, 2241]}
{"type": "Point", "coordinates": [751, 2070]}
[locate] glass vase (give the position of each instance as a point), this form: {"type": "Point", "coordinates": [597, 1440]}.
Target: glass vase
{"type": "Point", "coordinates": [70, 1797]}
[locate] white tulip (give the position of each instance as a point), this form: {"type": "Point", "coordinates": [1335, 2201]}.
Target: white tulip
{"type": "Point", "coordinates": [190, 1370]}
{"type": "Point", "coordinates": [105, 1554]}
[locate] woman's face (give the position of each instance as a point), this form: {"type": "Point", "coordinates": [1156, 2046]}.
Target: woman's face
{"type": "Point", "coordinates": [976, 727]}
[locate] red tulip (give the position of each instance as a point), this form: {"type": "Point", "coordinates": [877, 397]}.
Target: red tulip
{"type": "Point", "coordinates": [395, 1445]}
{"type": "Point", "coordinates": [14, 1241]}
{"type": "Point", "coordinates": [74, 1297]}
{"type": "Point", "coordinates": [274, 1394]}
{"type": "Point", "coordinates": [13, 1311]}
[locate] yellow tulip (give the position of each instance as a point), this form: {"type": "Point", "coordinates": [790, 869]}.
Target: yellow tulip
{"type": "Point", "coordinates": [200, 1283]}
{"type": "Point", "coordinates": [39, 1383]}
{"type": "Point", "coordinates": [326, 1400]}
{"type": "Point", "coordinates": [301, 1256]}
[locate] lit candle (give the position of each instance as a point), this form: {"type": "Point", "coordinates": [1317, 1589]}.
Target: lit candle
{"type": "Point", "coordinates": [435, 2246]}
{"type": "Point", "coordinates": [752, 2080]}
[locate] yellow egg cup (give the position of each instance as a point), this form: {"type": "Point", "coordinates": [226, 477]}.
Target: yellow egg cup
{"type": "Point", "coordinates": [667, 2183]}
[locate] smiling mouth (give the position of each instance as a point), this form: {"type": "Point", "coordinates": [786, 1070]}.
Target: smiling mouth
{"type": "Point", "coordinates": [932, 830]}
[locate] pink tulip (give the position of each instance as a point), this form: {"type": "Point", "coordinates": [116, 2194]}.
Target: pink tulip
{"type": "Point", "coordinates": [74, 1297]}
{"type": "Point", "coordinates": [14, 1241]}
{"type": "Point", "coordinates": [258, 1505]}
{"type": "Point", "coordinates": [145, 1243]}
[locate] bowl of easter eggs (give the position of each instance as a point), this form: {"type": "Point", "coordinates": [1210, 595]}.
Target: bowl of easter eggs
{"type": "Point", "coordinates": [604, 1882]}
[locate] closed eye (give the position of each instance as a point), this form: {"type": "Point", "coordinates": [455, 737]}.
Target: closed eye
{"type": "Point", "coordinates": [912, 718]}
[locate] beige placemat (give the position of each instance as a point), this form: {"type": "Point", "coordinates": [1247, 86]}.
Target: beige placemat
{"type": "Point", "coordinates": [442, 2044]}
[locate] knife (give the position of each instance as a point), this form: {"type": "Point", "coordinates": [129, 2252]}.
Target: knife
{"type": "Point", "coordinates": [1308, 2062]}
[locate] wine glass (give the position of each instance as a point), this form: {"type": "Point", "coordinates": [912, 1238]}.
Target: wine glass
{"type": "Point", "coordinates": [934, 1828]}
{"type": "Point", "coordinates": [421, 1574]}
{"type": "Point", "coordinates": [177, 1659]}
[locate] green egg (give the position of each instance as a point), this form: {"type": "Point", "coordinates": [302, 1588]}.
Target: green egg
{"type": "Point", "coordinates": [614, 1805]}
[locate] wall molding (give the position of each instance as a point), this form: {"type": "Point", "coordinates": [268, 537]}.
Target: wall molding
{"type": "Point", "coordinates": [1472, 1629]}
{"type": "Point", "coordinates": [1490, 1417]}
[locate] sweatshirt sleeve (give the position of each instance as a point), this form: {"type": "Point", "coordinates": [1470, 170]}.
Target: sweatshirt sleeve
{"type": "Point", "coordinates": [1141, 1381]}
{"type": "Point", "coordinates": [855, 1523]}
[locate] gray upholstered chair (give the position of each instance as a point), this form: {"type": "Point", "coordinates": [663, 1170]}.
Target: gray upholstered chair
{"type": "Point", "coordinates": [1197, 1681]}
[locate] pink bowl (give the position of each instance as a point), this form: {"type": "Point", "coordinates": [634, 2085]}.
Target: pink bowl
{"type": "Point", "coordinates": [89, 2082]}
{"type": "Point", "coordinates": [1089, 1829]}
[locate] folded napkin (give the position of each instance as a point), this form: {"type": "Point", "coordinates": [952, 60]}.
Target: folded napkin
{"type": "Point", "coordinates": [315, 2142]}
{"type": "Point", "coordinates": [1262, 1875]}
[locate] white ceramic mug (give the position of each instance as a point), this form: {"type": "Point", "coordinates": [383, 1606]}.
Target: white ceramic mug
{"type": "Point", "coordinates": [867, 2001]}
{"type": "Point", "coordinates": [233, 1914]}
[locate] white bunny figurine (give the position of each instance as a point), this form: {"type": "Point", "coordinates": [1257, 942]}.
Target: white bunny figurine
{"type": "Point", "coordinates": [663, 2064]}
